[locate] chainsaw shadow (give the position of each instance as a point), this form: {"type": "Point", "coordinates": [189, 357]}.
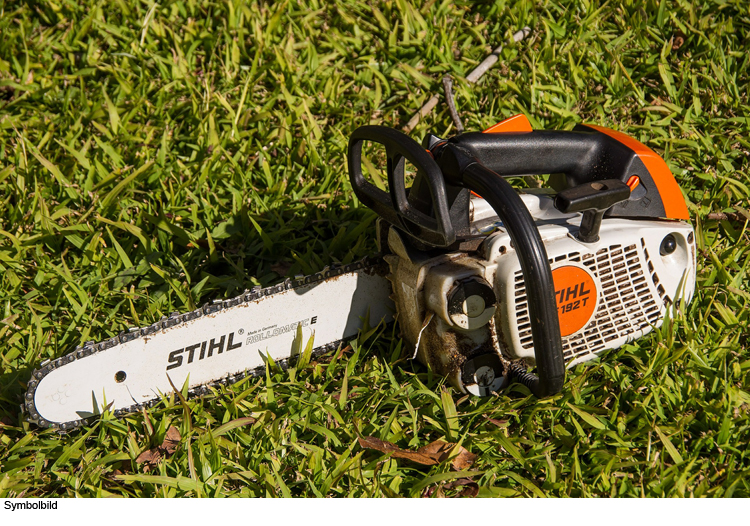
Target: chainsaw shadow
{"type": "Point", "coordinates": [267, 248]}
{"type": "Point", "coordinates": [334, 295]}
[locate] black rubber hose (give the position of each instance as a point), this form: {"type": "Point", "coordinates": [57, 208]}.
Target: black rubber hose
{"type": "Point", "coordinates": [537, 276]}
{"type": "Point", "coordinates": [460, 168]}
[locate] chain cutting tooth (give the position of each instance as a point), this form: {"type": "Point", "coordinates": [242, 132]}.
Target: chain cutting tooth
{"type": "Point", "coordinates": [192, 315]}
{"type": "Point", "coordinates": [130, 335]}
{"type": "Point", "coordinates": [108, 344]}
{"type": "Point", "coordinates": [233, 302]}
{"type": "Point", "coordinates": [151, 329]}
{"type": "Point", "coordinates": [173, 319]}
{"type": "Point", "coordinates": [214, 306]}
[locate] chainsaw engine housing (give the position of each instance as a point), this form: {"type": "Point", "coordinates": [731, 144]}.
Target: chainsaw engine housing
{"type": "Point", "coordinates": [548, 278]}
{"type": "Point", "coordinates": [467, 314]}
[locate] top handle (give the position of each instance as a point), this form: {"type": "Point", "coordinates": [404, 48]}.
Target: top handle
{"type": "Point", "coordinates": [431, 225]}
{"type": "Point", "coordinates": [583, 156]}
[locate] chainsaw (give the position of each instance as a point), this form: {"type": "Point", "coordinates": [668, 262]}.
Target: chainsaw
{"type": "Point", "coordinates": [484, 281]}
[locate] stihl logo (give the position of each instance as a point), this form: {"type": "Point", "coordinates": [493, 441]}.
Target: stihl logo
{"type": "Point", "coordinates": [576, 296]}
{"type": "Point", "coordinates": [578, 291]}
{"type": "Point", "coordinates": [202, 350]}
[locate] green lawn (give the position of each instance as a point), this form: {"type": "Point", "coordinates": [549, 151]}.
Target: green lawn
{"type": "Point", "coordinates": [157, 156]}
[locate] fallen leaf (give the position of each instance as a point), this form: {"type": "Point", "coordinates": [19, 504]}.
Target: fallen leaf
{"type": "Point", "coordinates": [171, 440]}
{"type": "Point", "coordinates": [470, 488]}
{"type": "Point", "coordinates": [439, 450]}
{"type": "Point", "coordinates": [149, 459]}
{"type": "Point", "coordinates": [396, 452]}
{"type": "Point", "coordinates": [343, 350]}
{"type": "Point", "coordinates": [463, 460]}
{"type": "Point", "coordinates": [429, 455]}
{"type": "Point", "coordinates": [721, 216]}
{"type": "Point", "coordinates": [498, 423]}
{"type": "Point", "coordinates": [153, 456]}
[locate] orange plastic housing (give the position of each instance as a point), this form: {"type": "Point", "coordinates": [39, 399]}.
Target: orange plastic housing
{"type": "Point", "coordinates": [516, 123]}
{"type": "Point", "coordinates": [669, 190]}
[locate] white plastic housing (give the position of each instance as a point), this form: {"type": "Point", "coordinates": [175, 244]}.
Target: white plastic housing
{"type": "Point", "coordinates": [635, 283]}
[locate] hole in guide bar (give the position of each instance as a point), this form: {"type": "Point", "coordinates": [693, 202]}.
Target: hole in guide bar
{"type": "Point", "coordinates": [120, 376]}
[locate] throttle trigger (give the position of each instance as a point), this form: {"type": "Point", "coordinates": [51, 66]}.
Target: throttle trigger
{"type": "Point", "coordinates": [593, 199]}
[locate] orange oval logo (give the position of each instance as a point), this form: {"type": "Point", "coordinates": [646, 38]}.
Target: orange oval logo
{"type": "Point", "coordinates": [576, 296]}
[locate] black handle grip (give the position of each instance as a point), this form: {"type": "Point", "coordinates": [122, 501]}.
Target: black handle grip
{"type": "Point", "coordinates": [432, 224]}
{"type": "Point", "coordinates": [535, 153]}
{"type": "Point", "coordinates": [584, 155]}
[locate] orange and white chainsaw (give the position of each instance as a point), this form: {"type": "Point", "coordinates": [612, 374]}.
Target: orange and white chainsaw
{"type": "Point", "coordinates": [481, 287]}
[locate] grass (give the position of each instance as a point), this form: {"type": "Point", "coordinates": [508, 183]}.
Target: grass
{"type": "Point", "coordinates": [154, 156]}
